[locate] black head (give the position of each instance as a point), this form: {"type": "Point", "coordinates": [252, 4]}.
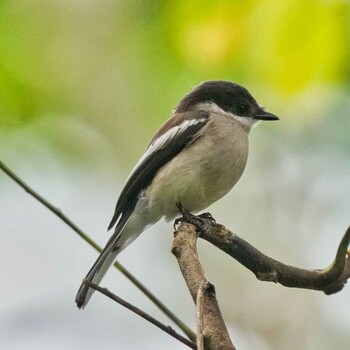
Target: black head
{"type": "Point", "coordinates": [230, 97]}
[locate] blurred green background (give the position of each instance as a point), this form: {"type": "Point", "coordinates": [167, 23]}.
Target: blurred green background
{"type": "Point", "coordinates": [85, 84]}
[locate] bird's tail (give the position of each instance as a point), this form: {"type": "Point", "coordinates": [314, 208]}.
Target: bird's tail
{"type": "Point", "coordinates": [114, 246]}
{"type": "Point", "coordinates": [127, 230]}
{"type": "Point", "coordinates": [97, 272]}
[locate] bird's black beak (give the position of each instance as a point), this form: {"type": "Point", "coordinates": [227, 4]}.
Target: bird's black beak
{"type": "Point", "coordinates": [263, 115]}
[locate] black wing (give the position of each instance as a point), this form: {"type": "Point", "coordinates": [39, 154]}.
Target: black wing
{"type": "Point", "coordinates": [176, 134]}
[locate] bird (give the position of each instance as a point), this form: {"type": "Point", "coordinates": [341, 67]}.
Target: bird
{"type": "Point", "coordinates": [194, 159]}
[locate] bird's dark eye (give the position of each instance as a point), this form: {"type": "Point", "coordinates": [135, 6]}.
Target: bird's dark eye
{"type": "Point", "coordinates": [242, 109]}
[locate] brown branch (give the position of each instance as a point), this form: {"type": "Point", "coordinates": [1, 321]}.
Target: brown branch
{"type": "Point", "coordinates": [199, 314]}
{"type": "Point", "coordinates": [184, 248]}
{"type": "Point", "coordinates": [136, 310]}
{"type": "Point", "coordinates": [330, 280]}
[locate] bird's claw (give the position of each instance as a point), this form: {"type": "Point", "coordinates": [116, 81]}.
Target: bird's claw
{"type": "Point", "coordinates": [195, 220]}
{"type": "Point", "coordinates": [208, 216]}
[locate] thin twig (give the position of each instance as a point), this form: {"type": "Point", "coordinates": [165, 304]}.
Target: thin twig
{"type": "Point", "coordinates": [136, 310]}
{"type": "Point", "coordinates": [191, 335]}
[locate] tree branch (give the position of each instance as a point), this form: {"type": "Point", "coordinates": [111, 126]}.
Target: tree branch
{"type": "Point", "coordinates": [141, 313]}
{"type": "Point", "coordinates": [330, 280]}
{"type": "Point", "coordinates": [93, 244]}
{"type": "Point", "coordinates": [199, 314]}
{"type": "Point", "coordinates": [213, 327]}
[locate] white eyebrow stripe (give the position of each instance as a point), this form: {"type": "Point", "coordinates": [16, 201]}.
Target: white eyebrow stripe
{"type": "Point", "coordinates": [164, 139]}
{"type": "Point", "coordinates": [213, 107]}
{"type": "Point", "coordinates": [210, 107]}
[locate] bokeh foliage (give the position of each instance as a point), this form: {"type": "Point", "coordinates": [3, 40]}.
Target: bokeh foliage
{"type": "Point", "coordinates": [95, 58]}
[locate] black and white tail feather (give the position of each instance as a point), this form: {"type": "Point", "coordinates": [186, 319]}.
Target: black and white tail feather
{"type": "Point", "coordinates": [100, 267]}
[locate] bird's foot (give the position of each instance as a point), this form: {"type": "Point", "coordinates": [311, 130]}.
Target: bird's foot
{"type": "Point", "coordinates": [187, 217]}
{"type": "Point", "coordinates": [196, 220]}
{"type": "Point", "coordinates": [207, 216]}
